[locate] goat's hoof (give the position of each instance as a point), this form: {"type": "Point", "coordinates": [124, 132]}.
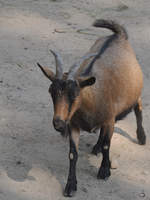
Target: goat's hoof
{"type": "Point", "coordinates": [104, 173]}
{"type": "Point", "coordinates": [70, 189]}
{"type": "Point", "coordinates": [141, 136]}
{"type": "Point", "coordinates": [96, 149]}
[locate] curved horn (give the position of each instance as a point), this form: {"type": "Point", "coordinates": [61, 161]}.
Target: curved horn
{"type": "Point", "coordinates": [59, 63]}
{"type": "Point", "coordinates": [73, 70]}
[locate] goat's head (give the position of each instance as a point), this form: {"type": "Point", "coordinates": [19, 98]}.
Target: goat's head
{"type": "Point", "coordinates": [65, 91]}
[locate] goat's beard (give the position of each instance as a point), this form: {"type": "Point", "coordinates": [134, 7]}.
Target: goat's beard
{"type": "Point", "coordinates": [67, 131]}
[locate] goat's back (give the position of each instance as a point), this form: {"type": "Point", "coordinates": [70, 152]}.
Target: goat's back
{"type": "Point", "coordinates": [118, 78]}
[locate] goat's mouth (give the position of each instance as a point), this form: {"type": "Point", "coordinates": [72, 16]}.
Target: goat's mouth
{"type": "Point", "coordinates": [61, 130]}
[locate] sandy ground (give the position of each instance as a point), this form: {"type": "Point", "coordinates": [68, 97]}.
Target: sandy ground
{"type": "Point", "coordinates": [33, 156]}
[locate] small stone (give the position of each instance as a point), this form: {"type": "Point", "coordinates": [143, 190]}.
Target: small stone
{"type": "Point", "coordinates": [19, 88]}
{"type": "Point", "coordinates": [13, 137]}
{"type": "Point", "coordinates": [84, 190]}
{"type": "Point", "coordinates": [122, 7]}
{"type": "Point", "coordinates": [145, 172]}
{"type": "Point", "coordinates": [142, 194]}
{"type": "Point", "coordinates": [18, 162]}
{"type": "Point", "coordinates": [88, 145]}
{"type": "Point", "coordinates": [69, 24]}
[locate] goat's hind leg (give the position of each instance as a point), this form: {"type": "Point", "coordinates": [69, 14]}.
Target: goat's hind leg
{"type": "Point", "coordinates": [140, 130]}
{"type": "Point", "coordinates": [98, 146]}
{"type": "Point", "coordinates": [104, 171]}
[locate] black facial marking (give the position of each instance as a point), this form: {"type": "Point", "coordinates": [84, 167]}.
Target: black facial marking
{"type": "Point", "coordinates": [67, 88]}
{"type": "Point", "coordinates": [56, 89]}
{"type": "Point", "coordinates": [72, 91]}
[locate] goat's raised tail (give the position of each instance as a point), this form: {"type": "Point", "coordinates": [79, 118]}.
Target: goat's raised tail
{"type": "Point", "coordinates": [113, 26]}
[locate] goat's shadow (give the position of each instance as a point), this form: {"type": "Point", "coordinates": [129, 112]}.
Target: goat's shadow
{"type": "Point", "coordinates": [18, 169]}
{"type": "Point", "coordinates": [125, 134]}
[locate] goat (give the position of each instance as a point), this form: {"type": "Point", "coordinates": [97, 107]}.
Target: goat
{"type": "Point", "coordinates": [99, 89]}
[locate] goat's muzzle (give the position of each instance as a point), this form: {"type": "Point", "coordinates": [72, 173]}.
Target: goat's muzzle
{"type": "Point", "coordinates": [60, 126]}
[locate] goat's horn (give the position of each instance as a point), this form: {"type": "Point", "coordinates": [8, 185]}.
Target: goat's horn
{"type": "Point", "coordinates": [73, 70]}
{"type": "Point", "coordinates": [59, 63]}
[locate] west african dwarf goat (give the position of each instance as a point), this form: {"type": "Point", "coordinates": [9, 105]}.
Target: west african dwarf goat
{"type": "Point", "coordinates": [101, 88]}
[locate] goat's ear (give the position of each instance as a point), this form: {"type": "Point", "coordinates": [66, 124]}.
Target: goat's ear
{"type": "Point", "coordinates": [47, 72]}
{"type": "Point", "coordinates": [86, 81]}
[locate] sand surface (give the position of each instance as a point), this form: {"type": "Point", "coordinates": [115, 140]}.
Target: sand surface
{"type": "Point", "coordinates": [33, 156]}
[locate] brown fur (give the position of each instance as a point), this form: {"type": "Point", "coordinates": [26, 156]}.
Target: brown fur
{"type": "Point", "coordinates": [61, 109]}
{"type": "Point", "coordinates": [119, 82]}
{"type": "Point", "coordinates": [118, 86]}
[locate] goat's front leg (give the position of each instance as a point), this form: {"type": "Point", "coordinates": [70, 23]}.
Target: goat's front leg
{"type": "Point", "coordinates": [104, 171]}
{"type": "Point", "coordinates": [71, 185]}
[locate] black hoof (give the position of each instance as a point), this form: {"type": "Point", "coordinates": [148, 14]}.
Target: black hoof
{"type": "Point", "coordinates": [96, 149]}
{"type": "Point", "coordinates": [104, 173]}
{"type": "Point", "coordinates": [70, 189]}
{"type": "Point", "coordinates": [141, 136]}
